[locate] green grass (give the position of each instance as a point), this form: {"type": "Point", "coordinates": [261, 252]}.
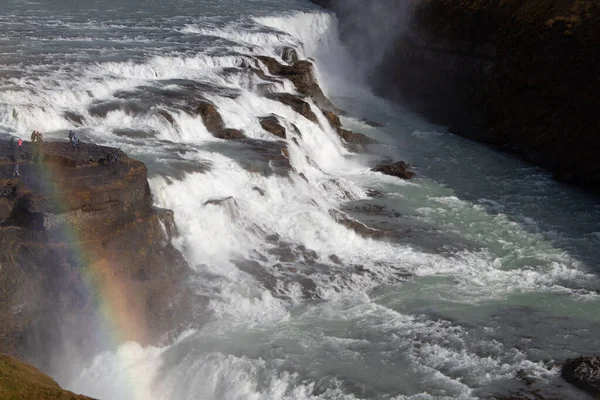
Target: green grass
{"type": "Point", "coordinates": [20, 381]}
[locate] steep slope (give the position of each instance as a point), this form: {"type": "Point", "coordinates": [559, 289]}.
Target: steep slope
{"type": "Point", "coordinates": [522, 75]}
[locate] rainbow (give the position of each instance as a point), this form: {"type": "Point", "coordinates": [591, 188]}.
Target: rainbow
{"type": "Point", "coordinates": [117, 313]}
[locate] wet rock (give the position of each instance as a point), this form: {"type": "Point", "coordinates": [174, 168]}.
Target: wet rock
{"type": "Point", "coordinates": [217, 201]}
{"type": "Point", "coordinates": [166, 115]}
{"type": "Point", "coordinates": [371, 123]}
{"type": "Point", "coordinates": [258, 190]}
{"type": "Point", "coordinates": [129, 107]}
{"type": "Point", "coordinates": [304, 178]}
{"type": "Point", "coordinates": [374, 193]}
{"type": "Point", "coordinates": [352, 138]}
{"type": "Point", "coordinates": [211, 117]}
{"type": "Point", "coordinates": [75, 118]}
{"type": "Point", "coordinates": [376, 209]}
{"type": "Point", "coordinates": [271, 124]}
{"type": "Point", "coordinates": [289, 55]}
{"type": "Point", "coordinates": [115, 234]}
{"type": "Point", "coordinates": [296, 103]}
{"type": "Point", "coordinates": [259, 273]}
{"type": "Point", "coordinates": [523, 376]}
{"type": "Point", "coordinates": [229, 134]}
{"type": "Point", "coordinates": [583, 372]}
{"type": "Point", "coordinates": [309, 288]}
{"type": "Point", "coordinates": [335, 259]}
{"type": "Point", "coordinates": [356, 226]}
{"type": "Point", "coordinates": [133, 133]}
{"type": "Point", "coordinates": [301, 74]}
{"type": "Point", "coordinates": [399, 169]}
{"type": "Point", "coordinates": [285, 152]}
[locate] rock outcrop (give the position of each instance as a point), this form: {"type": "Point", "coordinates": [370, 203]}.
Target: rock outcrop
{"type": "Point", "coordinates": [398, 169]}
{"type": "Point", "coordinates": [521, 75]}
{"type": "Point", "coordinates": [357, 141]}
{"type": "Point", "coordinates": [301, 74]}
{"type": "Point", "coordinates": [296, 103]}
{"type": "Point", "coordinates": [20, 381]}
{"type": "Point", "coordinates": [271, 124]}
{"type": "Point", "coordinates": [214, 122]}
{"type": "Point", "coordinates": [78, 233]}
{"type": "Point", "coordinates": [583, 372]}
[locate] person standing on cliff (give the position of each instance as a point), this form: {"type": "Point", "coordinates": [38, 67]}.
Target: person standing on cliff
{"type": "Point", "coordinates": [16, 171]}
{"type": "Point", "coordinates": [73, 139]}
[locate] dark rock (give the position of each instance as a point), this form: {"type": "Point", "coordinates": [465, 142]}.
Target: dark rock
{"type": "Point", "coordinates": [302, 76]}
{"type": "Point", "coordinates": [229, 134]}
{"type": "Point", "coordinates": [259, 190]}
{"type": "Point", "coordinates": [527, 379]}
{"type": "Point", "coordinates": [166, 115]}
{"type": "Point", "coordinates": [356, 226]}
{"type": "Point", "coordinates": [518, 75]}
{"type": "Point", "coordinates": [214, 122]}
{"type": "Point", "coordinates": [217, 201]}
{"type": "Point", "coordinates": [374, 193]}
{"type": "Point", "coordinates": [399, 169]}
{"type": "Point", "coordinates": [271, 124]}
{"type": "Point", "coordinates": [211, 117]}
{"type": "Point", "coordinates": [296, 103]}
{"type": "Point", "coordinates": [309, 288]}
{"type": "Point", "coordinates": [74, 118]}
{"type": "Point", "coordinates": [113, 234]}
{"type": "Point", "coordinates": [335, 259]}
{"type": "Point", "coordinates": [129, 107]}
{"type": "Point", "coordinates": [333, 119]}
{"type": "Point", "coordinates": [583, 372]}
{"type": "Point", "coordinates": [352, 138]}
{"type": "Point", "coordinates": [372, 123]}
{"type": "Point", "coordinates": [133, 133]}
{"type": "Point", "coordinates": [289, 55]}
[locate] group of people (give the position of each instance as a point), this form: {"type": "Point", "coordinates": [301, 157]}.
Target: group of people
{"type": "Point", "coordinates": [37, 139]}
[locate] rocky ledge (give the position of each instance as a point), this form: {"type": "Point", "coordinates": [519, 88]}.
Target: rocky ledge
{"type": "Point", "coordinates": [583, 372]}
{"type": "Point", "coordinates": [78, 233]}
{"type": "Point", "coordinates": [521, 75]}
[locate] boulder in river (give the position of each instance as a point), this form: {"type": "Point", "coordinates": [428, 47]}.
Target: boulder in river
{"type": "Point", "coordinates": [399, 169]}
{"type": "Point", "coordinates": [210, 116]}
{"type": "Point", "coordinates": [297, 104]}
{"type": "Point", "coordinates": [302, 76]}
{"type": "Point", "coordinates": [583, 372]}
{"type": "Point", "coordinates": [352, 138]}
{"type": "Point", "coordinates": [289, 55]}
{"type": "Point", "coordinates": [214, 122]}
{"type": "Point", "coordinates": [271, 124]}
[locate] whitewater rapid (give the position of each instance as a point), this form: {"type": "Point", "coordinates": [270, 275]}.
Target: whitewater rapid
{"type": "Point", "coordinates": [300, 306]}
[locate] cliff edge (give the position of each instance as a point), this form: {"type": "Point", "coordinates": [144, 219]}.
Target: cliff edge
{"type": "Point", "coordinates": [82, 248]}
{"type": "Point", "coordinates": [521, 75]}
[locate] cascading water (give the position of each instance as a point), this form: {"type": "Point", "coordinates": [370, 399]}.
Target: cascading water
{"type": "Point", "coordinates": [472, 283]}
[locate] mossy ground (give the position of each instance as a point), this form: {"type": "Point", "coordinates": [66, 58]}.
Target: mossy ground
{"type": "Point", "coordinates": [20, 381]}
